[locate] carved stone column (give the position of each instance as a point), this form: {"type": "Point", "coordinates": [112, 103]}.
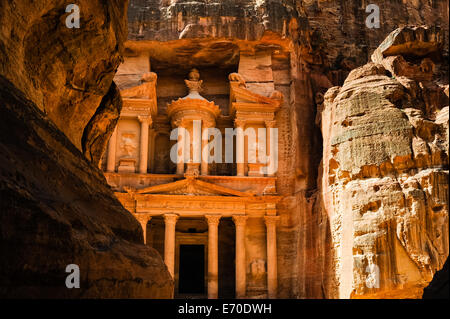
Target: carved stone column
{"type": "Point", "coordinates": [111, 161]}
{"type": "Point", "coordinates": [152, 136]}
{"type": "Point", "coordinates": [181, 145]}
{"type": "Point", "coordinates": [213, 255]}
{"type": "Point", "coordinates": [170, 221]}
{"type": "Point", "coordinates": [240, 147]}
{"type": "Point", "coordinates": [143, 157]}
{"type": "Point", "coordinates": [272, 275]}
{"type": "Point", "coordinates": [241, 281]}
{"type": "Point", "coordinates": [205, 152]}
{"type": "Point", "coordinates": [143, 220]}
{"type": "Point", "coordinates": [271, 141]}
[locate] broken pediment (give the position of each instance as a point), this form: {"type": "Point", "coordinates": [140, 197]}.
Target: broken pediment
{"type": "Point", "coordinates": [191, 186]}
{"type": "Point", "coordinates": [141, 99]}
{"type": "Point", "coordinates": [244, 100]}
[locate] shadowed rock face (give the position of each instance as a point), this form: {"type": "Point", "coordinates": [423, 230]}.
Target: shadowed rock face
{"type": "Point", "coordinates": [65, 72]}
{"type": "Point", "coordinates": [56, 209]}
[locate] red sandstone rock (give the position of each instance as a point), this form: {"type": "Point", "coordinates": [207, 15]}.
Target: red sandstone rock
{"type": "Point", "coordinates": [385, 175]}
{"type": "Point", "coordinates": [55, 206]}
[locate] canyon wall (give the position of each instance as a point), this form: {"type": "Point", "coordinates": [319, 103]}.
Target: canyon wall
{"type": "Point", "coordinates": [56, 209]}
{"type": "Point", "coordinates": [385, 169]}
{"type": "Point", "coordinates": [313, 45]}
{"type": "Point", "coordinates": [370, 190]}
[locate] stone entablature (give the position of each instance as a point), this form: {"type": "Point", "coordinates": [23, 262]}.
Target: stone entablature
{"type": "Point", "coordinates": [255, 185]}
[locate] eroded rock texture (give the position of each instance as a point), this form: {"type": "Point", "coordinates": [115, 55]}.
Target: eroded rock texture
{"type": "Point", "coordinates": [385, 169]}
{"type": "Point", "coordinates": [65, 72]}
{"type": "Point", "coordinates": [55, 206]}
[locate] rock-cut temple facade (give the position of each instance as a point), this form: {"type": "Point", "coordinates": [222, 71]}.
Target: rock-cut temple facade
{"type": "Point", "coordinates": [214, 222]}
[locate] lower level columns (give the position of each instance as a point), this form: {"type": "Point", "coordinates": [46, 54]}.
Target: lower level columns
{"type": "Point", "coordinates": [272, 275]}
{"type": "Point", "coordinates": [170, 221]}
{"type": "Point", "coordinates": [241, 282]}
{"type": "Point", "coordinates": [143, 220]}
{"type": "Point", "coordinates": [213, 255]}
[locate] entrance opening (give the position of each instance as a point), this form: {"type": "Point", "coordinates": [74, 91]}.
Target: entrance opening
{"type": "Point", "coordinates": [192, 269]}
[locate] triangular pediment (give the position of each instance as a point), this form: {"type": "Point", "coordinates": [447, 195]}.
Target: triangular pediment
{"type": "Point", "coordinates": [192, 186]}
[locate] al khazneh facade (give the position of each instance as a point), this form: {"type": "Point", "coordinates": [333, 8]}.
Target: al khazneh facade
{"type": "Point", "coordinates": [215, 224]}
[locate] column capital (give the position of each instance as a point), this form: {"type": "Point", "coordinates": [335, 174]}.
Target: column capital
{"type": "Point", "coordinates": [240, 220]}
{"type": "Point", "coordinates": [180, 123]}
{"type": "Point", "coordinates": [142, 218]}
{"type": "Point", "coordinates": [208, 124]}
{"type": "Point", "coordinates": [270, 123]}
{"type": "Point", "coordinates": [213, 219]}
{"type": "Point", "coordinates": [240, 123]}
{"type": "Point", "coordinates": [145, 119]}
{"type": "Point", "coordinates": [171, 218]}
{"type": "Point", "coordinates": [271, 220]}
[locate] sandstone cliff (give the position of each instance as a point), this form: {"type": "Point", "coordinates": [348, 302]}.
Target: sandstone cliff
{"type": "Point", "coordinates": [385, 169]}
{"type": "Point", "coordinates": [400, 202]}
{"type": "Point", "coordinates": [55, 206]}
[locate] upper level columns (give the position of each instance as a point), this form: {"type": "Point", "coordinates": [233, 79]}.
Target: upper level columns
{"type": "Point", "coordinates": [111, 160]}
{"type": "Point", "coordinates": [181, 145]}
{"type": "Point", "coordinates": [213, 255]}
{"type": "Point", "coordinates": [240, 147]}
{"type": "Point", "coordinates": [272, 152]}
{"type": "Point", "coordinates": [272, 275]}
{"type": "Point", "coordinates": [241, 281]}
{"type": "Point", "coordinates": [205, 151]}
{"type": "Point", "coordinates": [170, 221]}
{"type": "Point", "coordinates": [143, 157]}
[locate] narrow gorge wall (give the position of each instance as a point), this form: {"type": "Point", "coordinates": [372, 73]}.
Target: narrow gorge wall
{"type": "Point", "coordinates": [56, 208]}
{"type": "Point", "coordinates": [364, 146]}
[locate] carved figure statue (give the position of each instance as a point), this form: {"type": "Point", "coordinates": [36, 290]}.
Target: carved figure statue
{"type": "Point", "coordinates": [128, 145]}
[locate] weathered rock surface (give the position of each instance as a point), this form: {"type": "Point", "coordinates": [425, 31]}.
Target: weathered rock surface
{"type": "Point", "coordinates": [56, 208]}
{"type": "Point", "coordinates": [102, 124]}
{"type": "Point", "coordinates": [439, 287]}
{"type": "Point", "coordinates": [385, 171]}
{"type": "Point", "coordinates": [65, 72]}
{"type": "Point", "coordinates": [66, 75]}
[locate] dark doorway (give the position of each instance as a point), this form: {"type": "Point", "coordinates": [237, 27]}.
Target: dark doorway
{"type": "Point", "coordinates": [192, 269]}
{"type": "Point", "coordinates": [227, 235]}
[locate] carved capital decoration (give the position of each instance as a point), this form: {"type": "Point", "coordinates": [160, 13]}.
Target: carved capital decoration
{"type": "Point", "coordinates": [239, 123]}
{"type": "Point", "coordinates": [213, 220]}
{"type": "Point", "coordinates": [270, 123]}
{"type": "Point", "coordinates": [180, 123]}
{"type": "Point", "coordinates": [145, 119]}
{"type": "Point", "coordinates": [271, 220]}
{"type": "Point", "coordinates": [143, 218]}
{"type": "Point", "coordinates": [208, 124]}
{"type": "Point", "coordinates": [240, 220]}
{"type": "Point", "coordinates": [171, 218]}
